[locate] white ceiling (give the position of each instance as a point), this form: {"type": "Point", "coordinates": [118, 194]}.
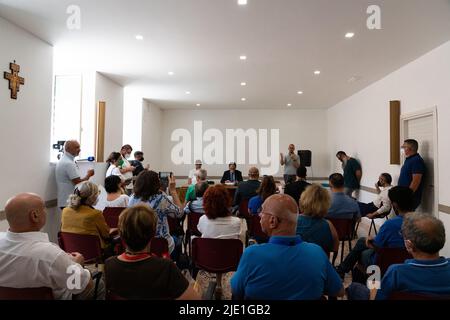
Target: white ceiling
{"type": "Point", "coordinates": [201, 41]}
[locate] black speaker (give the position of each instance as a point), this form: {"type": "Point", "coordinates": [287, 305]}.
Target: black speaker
{"type": "Point", "coordinates": [305, 157]}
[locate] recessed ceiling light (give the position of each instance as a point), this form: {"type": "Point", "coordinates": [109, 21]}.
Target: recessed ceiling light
{"type": "Point", "coordinates": [198, 104]}
{"type": "Point", "coordinates": [139, 37]}
{"type": "Point", "coordinates": [242, 2]}
{"type": "Point", "coordinates": [243, 99]}
{"type": "Point", "coordinates": [349, 35]}
{"type": "Point", "coordinates": [243, 57]}
{"type": "Point", "coordinates": [299, 92]}
{"type": "Point", "coordinates": [243, 84]}
{"type": "Point", "coordinates": [170, 73]}
{"type": "Point", "coordinates": [188, 92]}
{"type": "Point", "coordinates": [317, 72]}
{"type": "Point", "coordinates": [289, 104]}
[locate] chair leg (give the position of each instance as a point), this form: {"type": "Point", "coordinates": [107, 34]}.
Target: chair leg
{"type": "Point", "coordinates": [374, 227]}
{"type": "Point", "coordinates": [370, 228]}
{"type": "Point", "coordinates": [342, 251]}
{"type": "Point", "coordinates": [355, 232]}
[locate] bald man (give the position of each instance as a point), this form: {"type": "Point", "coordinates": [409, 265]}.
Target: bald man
{"type": "Point", "coordinates": [29, 260]}
{"type": "Point", "coordinates": [67, 172]}
{"type": "Point", "coordinates": [291, 162]}
{"type": "Point", "coordinates": [285, 268]}
{"type": "Point", "coordinates": [247, 189]}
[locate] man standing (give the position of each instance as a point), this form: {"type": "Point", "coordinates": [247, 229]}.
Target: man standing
{"type": "Point", "coordinates": [411, 174]}
{"type": "Point", "coordinates": [137, 163]}
{"type": "Point", "coordinates": [192, 173]}
{"type": "Point", "coordinates": [352, 173]}
{"type": "Point", "coordinates": [291, 162]}
{"type": "Point", "coordinates": [67, 172]}
{"type": "Point", "coordinates": [295, 189]}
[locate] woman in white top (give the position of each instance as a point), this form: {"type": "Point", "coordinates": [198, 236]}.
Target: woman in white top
{"type": "Point", "coordinates": [115, 196]}
{"type": "Point", "coordinates": [113, 169]}
{"type": "Point", "coordinates": [217, 222]}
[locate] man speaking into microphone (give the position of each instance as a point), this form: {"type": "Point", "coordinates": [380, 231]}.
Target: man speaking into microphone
{"type": "Point", "coordinates": [291, 162]}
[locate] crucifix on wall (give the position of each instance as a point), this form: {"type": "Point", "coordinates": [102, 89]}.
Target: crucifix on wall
{"type": "Point", "coordinates": [14, 80]}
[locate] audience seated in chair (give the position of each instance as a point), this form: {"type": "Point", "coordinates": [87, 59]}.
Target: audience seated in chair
{"type": "Point", "coordinates": [80, 217]}
{"type": "Point", "coordinates": [268, 187]}
{"type": "Point", "coordinates": [295, 189]}
{"type": "Point", "coordinates": [115, 196]}
{"type": "Point", "coordinates": [388, 236]}
{"type": "Point", "coordinates": [285, 268]}
{"type": "Point", "coordinates": [311, 225]}
{"type": "Point", "coordinates": [197, 204]}
{"type": "Point", "coordinates": [381, 206]}
{"type": "Point", "coordinates": [29, 260]}
{"type": "Point", "coordinates": [247, 189]}
{"type": "Point", "coordinates": [217, 222]}
{"type": "Point", "coordinates": [342, 205]}
{"type": "Point", "coordinates": [137, 274]}
{"type": "Point", "coordinates": [147, 190]}
{"type": "Point", "coordinates": [200, 176]}
{"type": "Point", "coordinates": [426, 274]}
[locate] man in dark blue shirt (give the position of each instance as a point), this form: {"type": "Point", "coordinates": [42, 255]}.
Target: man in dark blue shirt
{"type": "Point", "coordinates": [411, 174]}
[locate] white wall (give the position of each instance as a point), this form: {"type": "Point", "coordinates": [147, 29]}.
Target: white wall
{"type": "Point", "coordinates": [112, 93]}
{"type": "Point", "coordinates": [359, 125]}
{"type": "Point", "coordinates": [305, 128]}
{"type": "Point", "coordinates": [25, 122]}
{"type": "Point", "coordinates": [151, 134]}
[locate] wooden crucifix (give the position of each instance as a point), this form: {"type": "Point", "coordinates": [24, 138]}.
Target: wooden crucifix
{"type": "Point", "coordinates": [14, 80]}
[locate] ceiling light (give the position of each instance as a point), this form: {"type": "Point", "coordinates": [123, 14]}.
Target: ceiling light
{"type": "Point", "coordinates": [170, 73]}
{"type": "Point", "coordinates": [243, 57]}
{"type": "Point", "coordinates": [188, 92]}
{"type": "Point", "coordinates": [242, 2]}
{"type": "Point", "coordinates": [243, 84]}
{"type": "Point", "coordinates": [289, 104]}
{"type": "Point", "coordinates": [243, 99]}
{"type": "Point", "coordinates": [198, 104]}
{"type": "Point", "coordinates": [317, 72]}
{"type": "Point", "coordinates": [349, 35]}
{"type": "Point", "coordinates": [299, 92]}
{"type": "Point", "coordinates": [139, 37]}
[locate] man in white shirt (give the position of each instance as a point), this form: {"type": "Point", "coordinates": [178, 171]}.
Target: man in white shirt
{"type": "Point", "coordinates": [29, 260]}
{"type": "Point", "coordinates": [67, 172]}
{"type": "Point", "coordinates": [381, 206]}
{"type": "Point", "coordinates": [193, 172]}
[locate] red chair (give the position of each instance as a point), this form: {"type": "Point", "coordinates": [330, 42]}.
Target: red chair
{"type": "Point", "coordinates": [192, 230]}
{"type": "Point", "coordinates": [111, 215]}
{"type": "Point", "coordinates": [255, 229]}
{"type": "Point", "coordinates": [388, 256]}
{"type": "Point", "coordinates": [160, 247]}
{"type": "Point", "coordinates": [86, 244]}
{"type": "Point", "coordinates": [345, 231]}
{"type": "Point", "coordinates": [243, 209]}
{"type": "Point", "coordinates": [216, 256]}
{"type": "Point", "coordinates": [42, 293]}
{"type": "Point", "coordinates": [402, 295]}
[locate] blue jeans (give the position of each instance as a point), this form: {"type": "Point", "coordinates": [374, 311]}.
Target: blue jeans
{"type": "Point", "coordinates": [360, 253]}
{"type": "Point", "coordinates": [358, 291]}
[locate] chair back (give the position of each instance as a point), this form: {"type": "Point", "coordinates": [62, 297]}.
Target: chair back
{"type": "Point", "coordinates": [159, 247]}
{"type": "Point", "coordinates": [111, 215]}
{"type": "Point", "coordinates": [216, 255]}
{"type": "Point", "coordinates": [344, 228]}
{"type": "Point", "coordinates": [41, 293]}
{"type": "Point", "coordinates": [255, 228]}
{"type": "Point", "coordinates": [192, 222]}
{"type": "Point", "coordinates": [402, 295]}
{"type": "Point", "coordinates": [86, 244]}
{"type": "Point", "coordinates": [175, 227]}
{"type": "Point", "coordinates": [388, 256]}
{"type": "Point", "coordinates": [243, 209]}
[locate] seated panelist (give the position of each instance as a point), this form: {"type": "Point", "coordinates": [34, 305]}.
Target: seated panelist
{"type": "Point", "coordinates": [232, 175]}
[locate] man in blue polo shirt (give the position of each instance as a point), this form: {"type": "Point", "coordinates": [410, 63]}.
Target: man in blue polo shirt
{"type": "Point", "coordinates": [411, 174]}
{"type": "Point", "coordinates": [389, 235]}
{"type": "Point", "coordinates": [285, 268]}
{"type": "Point", "coordinates": [342, 205]}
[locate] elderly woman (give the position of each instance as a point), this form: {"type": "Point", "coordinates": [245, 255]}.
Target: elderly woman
{"type": "Point", "coordinates": [136, 274]}
{"type": "Point", "coordinates": [80, 217]}
{"type": "Point", "coordinates": [311, 225]}
{"type": "Point", "coordinates": [217, 222]}
{"type": "Point", "coordinates": [147, 190]}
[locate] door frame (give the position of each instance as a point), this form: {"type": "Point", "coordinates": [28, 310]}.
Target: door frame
{"type": "Point", "coordinates": [422, 114]}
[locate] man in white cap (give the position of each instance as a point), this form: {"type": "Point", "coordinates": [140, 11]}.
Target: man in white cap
{"type": "Point", "coordinates": [193, 172]}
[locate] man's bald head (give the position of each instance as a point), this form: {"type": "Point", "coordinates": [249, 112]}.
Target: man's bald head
{"type": "Point", "coordinates": [25, 212]}
{"type": "Point", "coordinates": [72, 147]}
{"type": "Point", "coordinates": [253, 173]}
{"type": "Point", "coordinates": [279, 215]}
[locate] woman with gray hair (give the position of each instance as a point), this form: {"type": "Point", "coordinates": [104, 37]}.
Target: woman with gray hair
{"type": "Point", "coordinates": [80, 217]}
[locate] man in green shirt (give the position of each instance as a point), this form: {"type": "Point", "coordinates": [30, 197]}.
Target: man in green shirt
{"type": "Point", "coordinates": [352, 173]}
{"type": "Point", "coordinates": [201, 177]}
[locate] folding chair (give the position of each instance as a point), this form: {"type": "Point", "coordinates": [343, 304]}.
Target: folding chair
{"type": "Point", "coordinates": [41, 293]}
{"type": "Point", "coordinates": [255, 231]}
{"type": "Point", "coordinates": [111, 215]}
{"type": "Point", "coordinates": [216, 256]}
{"type": "Point", "coordinates": [86, 244]}
{"type": "Point", "coordinates": [388, 256]}
{"type": "Point", "coordinates": [345, 231]}
{"type": "Point", "coordinates": [372, 223]}
{"type": "Point", "coordinates": [192, 222]}
{"type": "Point", "coordinates": [160, 247]}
